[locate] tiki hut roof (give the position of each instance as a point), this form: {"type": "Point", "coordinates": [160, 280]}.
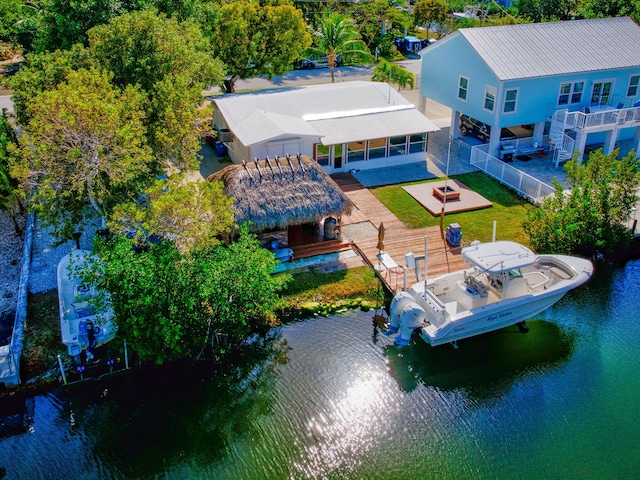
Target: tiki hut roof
{"type": "Point", "coordinates": [282, 192]}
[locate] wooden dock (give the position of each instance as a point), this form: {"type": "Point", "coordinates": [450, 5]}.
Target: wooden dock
{"type": "Point", "coordinates": [398, 238]}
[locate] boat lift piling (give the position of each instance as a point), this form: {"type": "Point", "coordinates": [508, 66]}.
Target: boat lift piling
{"type": "Point", "coordinates": [64, 376]}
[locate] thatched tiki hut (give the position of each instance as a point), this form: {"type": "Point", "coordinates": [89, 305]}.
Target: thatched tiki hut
{"type": "Point", "coordinates": [286, 196]}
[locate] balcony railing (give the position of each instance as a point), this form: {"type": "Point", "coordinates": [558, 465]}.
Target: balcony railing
{"type": "Point", "coordinates": [603, 117]}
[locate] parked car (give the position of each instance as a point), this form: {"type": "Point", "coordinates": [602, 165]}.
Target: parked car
{"type": "Point", "coordinates": [482, 131]}
{"type": "Point", "coordinates": [309, 63]}
{"type": "Point", "coordinates": [409, 44]}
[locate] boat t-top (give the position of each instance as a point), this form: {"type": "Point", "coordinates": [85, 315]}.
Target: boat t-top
{"type": "Point", "coordinates": [505, 284]}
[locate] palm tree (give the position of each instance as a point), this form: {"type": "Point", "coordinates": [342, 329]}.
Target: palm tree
{"type": "Point", "coordinates": [395, 74]}
{"type": "Point", "coordinates": [337, 37]}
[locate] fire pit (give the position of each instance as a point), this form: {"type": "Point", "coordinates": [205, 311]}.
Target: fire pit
{"type": "Point", "coordinates": [449, 192]}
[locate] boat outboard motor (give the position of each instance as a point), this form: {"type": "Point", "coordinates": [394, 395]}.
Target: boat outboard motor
{"type": "Point", "coordinates": [413, 316]}
{"type": "Point", "coordinates": [400, 300]}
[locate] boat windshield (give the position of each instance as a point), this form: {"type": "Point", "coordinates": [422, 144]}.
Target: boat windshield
{"type": "Point", "coordinates": [515, 273]}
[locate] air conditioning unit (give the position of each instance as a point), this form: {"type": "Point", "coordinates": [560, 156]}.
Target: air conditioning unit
{"type": "Point", "coordinates": [225, 135]}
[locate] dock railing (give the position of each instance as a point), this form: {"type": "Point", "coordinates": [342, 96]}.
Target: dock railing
{"type": "Point", "coordinates": [524, 184]}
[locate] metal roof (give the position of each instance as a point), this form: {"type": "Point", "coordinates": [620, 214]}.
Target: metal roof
{"type": "Point", "coordinates": [557, 48]}
{"type": "Point", "coordinates": [335, 112]}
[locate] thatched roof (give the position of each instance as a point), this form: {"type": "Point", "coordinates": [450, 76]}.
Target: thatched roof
{"type": "Point", "coordinates": [282, 192]}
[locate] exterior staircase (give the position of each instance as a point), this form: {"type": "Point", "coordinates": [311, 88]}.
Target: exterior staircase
{"type": "Point", "coordinates": [562, 143]}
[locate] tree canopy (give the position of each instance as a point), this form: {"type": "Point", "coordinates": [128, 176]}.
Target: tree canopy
{"type": "Point", "coordinates": [85, 143]}
{"type": "Point", "coordinates": [593, 216]}
{"type": "Point", "coordinates": [9, 192]}
{"type": "Point", "coordinates": [428, 13]}
{"type": "Point", "coordinates": [172, 64]}
{"type": "Point", "coordinates": [161, 62]}
{"type": "Point", "coordinates": [256, 40]}
{"type": "Point", "coordinates": [169, 305]}
{"type": "Point", "coordinates": [193, 215]}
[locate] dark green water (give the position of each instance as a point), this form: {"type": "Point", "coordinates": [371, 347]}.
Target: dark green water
{"type": "Point", "coordinates": [331, 398]}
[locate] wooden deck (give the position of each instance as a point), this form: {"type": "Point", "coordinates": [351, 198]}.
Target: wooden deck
{"type": "Point", "coordinates": [398, 238]}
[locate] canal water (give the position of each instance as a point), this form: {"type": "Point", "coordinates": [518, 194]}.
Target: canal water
{"type": "Point", "coordinates": [333, 398]}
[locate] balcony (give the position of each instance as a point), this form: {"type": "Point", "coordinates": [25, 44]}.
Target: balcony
{"type": "Point", "coordinates": [603, 117]}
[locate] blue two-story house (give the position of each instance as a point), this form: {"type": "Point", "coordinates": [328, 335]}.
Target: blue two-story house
{"type": "Point", "coordinates": [577, 80]}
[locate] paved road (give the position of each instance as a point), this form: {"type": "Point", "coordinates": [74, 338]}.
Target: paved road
{"type": "Point", "coordinates": [5, 102]}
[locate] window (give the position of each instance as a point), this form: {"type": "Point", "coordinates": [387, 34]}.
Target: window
{"type": "Point", "coordinates": [377, 148]}
{"type": "Point", "coordinates": [463, 87]}
{"type": "Point", "coordinates": [489, 98]}
{"type": "Point", "coordinates": [601, 92]}
{"type": "Point", "coordinates": [417, 143]}
{"type": "Point", "coordinates": [355, 152]}
{"type": "Point", "coordinates": [510, 98]}
{"type": "Point", "coordinates": [632, 89]}
{"type": "Point", "coordinates": [321, 154]}
{"type": "Point", "coordinates": [570, 93]}
{"type": "Point", "coordinates": [576, 96]}
{"type": "Point", "coordinates": [397, 146]}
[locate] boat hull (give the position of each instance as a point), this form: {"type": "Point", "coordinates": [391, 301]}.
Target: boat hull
{"type": "Point", "coordinates": [81, 327]}
{"type": "Point", "coordinates": [490, 318]}
{"type": "Point", "coordinates": [505, 284]}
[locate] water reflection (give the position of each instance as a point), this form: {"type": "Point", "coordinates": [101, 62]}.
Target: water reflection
{"type": "Point", "coordinates": [484, 366]}
{"type": "Point", "coordinates": [143, 423]}
{"type": "Point", "coordinates": [334, 398]}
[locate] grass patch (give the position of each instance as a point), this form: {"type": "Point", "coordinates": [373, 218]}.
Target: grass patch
{"type": "Point", "coordinates": [42, 338]}
{"type": "Point", "coordinates": [509, 210]}
{"type": "Point", "coordinates": [315, 292]}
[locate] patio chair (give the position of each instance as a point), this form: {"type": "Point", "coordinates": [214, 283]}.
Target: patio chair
{"type": "Point", "coordinates": [620, 106]}
{"type": "Point", "coordinates": [587, 110]}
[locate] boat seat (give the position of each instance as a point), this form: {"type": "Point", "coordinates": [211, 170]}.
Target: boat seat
{"type": "Point", "coordinates": [478, 286]}
{"type": "Point", "coordinates": [83, 309]}
{"type": "Point", "coordinates": [560, 273]}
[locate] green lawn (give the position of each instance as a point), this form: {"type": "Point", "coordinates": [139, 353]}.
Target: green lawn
{"type": "Point", "coordinates": [509, 210]}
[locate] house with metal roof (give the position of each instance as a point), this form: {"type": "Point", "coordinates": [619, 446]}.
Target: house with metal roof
{"type": "Point", "coordinates": [342, 126]}
{"type": "Point", "coordinates": [577, 80]}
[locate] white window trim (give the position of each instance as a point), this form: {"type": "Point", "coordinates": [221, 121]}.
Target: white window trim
{"type": "Point", "coordinates": [585, 93]}
{"type": "Point", "coordinates": [637, 86]}
{"type": "Point", "coordinates": [603, 81]}
{"type": "Point", "coordinates": [459, 86]}
{"type": "Point", "coordinates": [504, 102]}
{"type": "Point", "coordinates": [495, 97]}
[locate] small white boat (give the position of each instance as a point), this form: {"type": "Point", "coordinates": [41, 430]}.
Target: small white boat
{"type": "Point", "coordinates": [506, 283]}
{"type": "Point", "coordinates": [82, 328]}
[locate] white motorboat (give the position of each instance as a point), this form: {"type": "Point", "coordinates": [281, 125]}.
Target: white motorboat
{"type": "Point", "coordinates": [505, 284]}
{"type": "Point", "coordinates": [82, 327]}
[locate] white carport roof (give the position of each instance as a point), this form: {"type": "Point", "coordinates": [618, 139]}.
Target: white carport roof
{"type": "Point", "coordinates": [335, 113]}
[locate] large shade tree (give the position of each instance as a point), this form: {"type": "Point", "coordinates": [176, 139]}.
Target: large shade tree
{"type": "Point", "coordinates": [170, 305]}
{"type": "Point", "coordinates": [63, 23]}
{"type": "Point", "coordinates": [429, 13]}
{"type": "Point", "coordinates": [337, 36]}
{"type": "Point", "coordinates": [255, 40]}
{"type": "Point", "coordinates": [172, 64]}
{"type": "Point", "coordinates": [169, 60]}
{"type": "Point", "coordinates": [84, 145]}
